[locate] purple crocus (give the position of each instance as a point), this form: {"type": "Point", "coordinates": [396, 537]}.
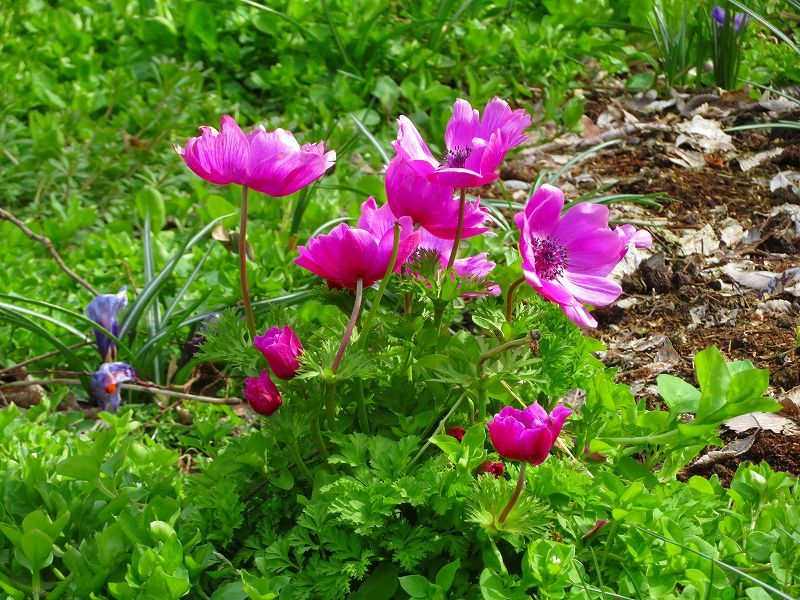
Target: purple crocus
{"type": "Point", "coordinates": [348, 254]}
{"type": "Point", "coordinates": [429, 204]}
{"type": "Point", "coordinates": [103, 310]}
{"type": "Point", "coordinates": [567, 259]}
{"type": "Point", "coordinates": [271, 162]}
{"type": "Point", "coordinates": [739, 19]}
{"type": "Point", "coordinates": [475, 145]}
{"type": "Point", "coordinates": [262, 394]}
{"type": "Point", "coordinates": [104, 383]}
{"type": "Point", "coordinates": [281, 348]}
{"type": "Point", "coordinates": [527, 435]}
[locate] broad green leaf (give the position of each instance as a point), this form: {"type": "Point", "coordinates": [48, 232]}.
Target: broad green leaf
{"type": "Point", "coordinates": [714, 379]}
{"type": "Point", "coordinates": [415, 586]}
{"type": "Point", "coordinates": [82, 468]}
{"type": "Point", "coordinates": [38, 548]}
{"type": "Point", "coordinates": [150, 199]}
{"type": "Point", "coordinates": [445, 576]}
{"type": "Point", "coordinates": [679, 396]}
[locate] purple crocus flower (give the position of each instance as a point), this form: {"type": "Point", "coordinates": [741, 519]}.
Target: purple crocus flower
{"type": "Point", "coordinates": [527, 435]}
{"type": "Point", "coordinates": [739, 19]}
{"type": "Point", "coordinates": [104, 383]}
{"type": "Point", "coordinates": [475, 145]}
{"type": "Point", "coordinates": [429, 204]}
{"type": "Point", "coordinates": [103, 310]}
{"type": "Point", "coordinates": [271, 162]}
{"type": "Point", "coordinates": [567, 259]}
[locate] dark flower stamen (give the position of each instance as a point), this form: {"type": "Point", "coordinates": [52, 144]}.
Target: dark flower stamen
{"type": "Point", "coordinates": [550, 258]}
{"type": "Point", "coordinates": [456, 157]}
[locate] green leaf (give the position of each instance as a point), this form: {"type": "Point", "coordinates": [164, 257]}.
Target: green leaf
{"type": "Point", "coordinates": [492, 587]}
{"type": "Point", "coordinates": [37, 548]}
{"type": "Point", "coordinates": [202, 24]}
{"type": "Point", "coordinates": [679, 396]}
{"type": "Point", "coordinates": [714, 379]}
{"type": "Point", "coordinates": [749, 384]}
{"type": "Point", "coordinates": [82, 468]}
{"type": "Point", "coordinates": [380, 585]}
{"type": "Point", "coordinates": [445, 576]}
{"type": "Point", "coordinates": [415, 586]}
{"type": "Point", "coordinates": [150, 199]}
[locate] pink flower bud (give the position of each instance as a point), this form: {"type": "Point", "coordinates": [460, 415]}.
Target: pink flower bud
{"type": "Point", "coordinates": [261, 393]}
{"type": "Point", "coordinates": [527, 435]}
{"type": "Point", "coordinates": [456, 432]}
{"type": "Point", "coordinates": [280, 347]}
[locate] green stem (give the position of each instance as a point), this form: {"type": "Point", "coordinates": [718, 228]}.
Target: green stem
{"type": "Point", "coordinates": [510, 298]}
{"type": "Point", "coordinates": [647, 439]}
{"type": "Point", "coordinates": [363, 418]}
{"type": "Point", "coordinates": [349, 331]}
{"type": "Point", "coordinates": [483, 400]}
{"type": "Point", "coordinates": [376, 303]}
{"type": "Point", "coordinates": [298, 459]}
{"type": "Point", "coordinates": [330, 404]}
{"type": "Point", "coordinates": [316, 433]}
{"type": "Point", "coordinates": [502, 348]}
{"type": "Point", "coordinates": [248, 308]}
{"type": "Point", "coordinates": [454, 252]}
{"type": "Point", "coordinates": [515, 496]}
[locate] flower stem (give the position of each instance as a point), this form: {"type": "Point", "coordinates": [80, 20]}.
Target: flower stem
{"type": "Point", "coordinates": [298, 458]}
{"type": "Point", "coordinates": [376, 303]}
{"type": "Point", "coordinates": [515, 496]}
{"type": "Point", "coordinates": [461, 202]}
{"type": "Point", "coordinates": [510, 298]}
{"type": "Point", "coordinates": [248, 309]}
{"type": "Point", "coordinates": [363, 419]}
{"type": "Point", "coordinates": [330, 404]}
{"type": "Point", "coordinates": [349, 331]}
{"type": "Point", "coordinates": [316, 433]}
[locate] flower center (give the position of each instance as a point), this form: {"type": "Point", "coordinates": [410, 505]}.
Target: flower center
{"type": "Point", "coordinates": [550, 257]}
{"type": "Point", "coordinates": [456, 157]}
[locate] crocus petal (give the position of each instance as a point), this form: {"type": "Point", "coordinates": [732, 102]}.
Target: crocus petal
{"type": "Point", "coordinates": [104, 384]}
{"type": "Point", "coordinates": [103, 310]}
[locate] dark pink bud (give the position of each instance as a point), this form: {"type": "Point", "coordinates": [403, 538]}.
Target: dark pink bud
{"type": "Point", "coordinates": [593, 455]}
{"type": "Point", "coordinates": [456, 432]}
{"type": "Point", "coordinates": [261, 393]}
{"type": "Point", "coordinates": [527, 435]}
{"type": "Point", "coordinates": [280, 347]}
{"type": "Point", "coordinates": [597, 526]}
{"type": "Point", "coordinates": [496, 468]}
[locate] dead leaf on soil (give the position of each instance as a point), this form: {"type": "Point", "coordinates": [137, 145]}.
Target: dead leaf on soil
{"type": "Point", "coordinates": [704, 135]}
{"type": "Point", "coordinates": [731, 232]}
{"type": "Point", "coordinates": [733, 449]}
{"type": "Point", "coordinates": [775, 422]}
{"type": "Point", "coordinates": [701, 241]}
{"type": "Point", "coordinates": [751, 162]}
{"type": "Point", "coordinates": [785, 181]}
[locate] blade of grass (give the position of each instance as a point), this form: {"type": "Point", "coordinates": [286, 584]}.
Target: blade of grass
{"type": "Point", "coordinates": [368, 134]}
{"type": "Point", "coordinates": [305, 31]}
{"type": "Point", "coordinates": [777, 32]}
{"type": "Point", "coordinates": [195, 274]}
{"type": "Point", "coordinates": [579, 158]}
{"type": "Point", "coordinates": [153, 319]}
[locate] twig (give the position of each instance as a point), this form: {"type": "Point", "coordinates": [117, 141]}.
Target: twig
{"type": "Point", "coordinates": [140, 387]}
{"type": "Point", "coordinates": [4, 214]}
{"type": "Point", "coordinates": [30, 361]}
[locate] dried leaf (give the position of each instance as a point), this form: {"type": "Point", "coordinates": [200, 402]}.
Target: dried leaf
{"type": "Point", "coordinates": [733, 449]}
{"type": "Point", "coordinates": [763, 421]}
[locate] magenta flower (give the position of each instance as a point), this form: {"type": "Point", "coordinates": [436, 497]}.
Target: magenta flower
{"type": "Point", "coordinates": [629, 237]}
{"type": "Point", "coordinates": [271, 162]}
{"type": "Point", "coordinates": [262, 395]}
{"type": "Point", "coordinates": [103, 310]}
{"type": "Point", "coordinates": [428, 204]}
{"type": "Point", "coordinates": [739, 19]}
{"type": "Point", "coordinates": [567, 258]}
{"type": "Point", "coordinates": [475, 146]}
{"type": "Point", "coordinates": [280, 347]}
{"type": "Point", "coordinates": [496, 468]}
{"type": "Point", "coordinates": [348, 254]}
{"type": "Point", "coordinates": [104, 383]}
{"type": "Point", "coordinates": [527, 435]}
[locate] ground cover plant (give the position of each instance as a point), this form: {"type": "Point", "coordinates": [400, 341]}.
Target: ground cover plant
{"type": "Point", "coordinates": [360, 360]}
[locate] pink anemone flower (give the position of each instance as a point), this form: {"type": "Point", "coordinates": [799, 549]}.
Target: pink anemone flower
{"type": "Point", "coordinates": [567, 258]}
{"type": "Point", "coordinates": [475, 145]}
{"type": "Point", "coordinates": [348, 254]}
{"type": "Point", "coordinates": [429, 204]}
{"type": "Point", "coordinates": [271, 162]}
{"type": "Point", "coordinates": [527, 435]}
{"type": "Point", "coordinates": [281, 348]}
{"type": "Point", "coordinates": [630, 237]}
{"type": "Point", "coordinates": [262, 394]}
{"type": "Point", "coordinates": [477, 266]}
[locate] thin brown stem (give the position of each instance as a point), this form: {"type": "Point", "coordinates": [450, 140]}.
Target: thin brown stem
{"type": "Point", "coordinates": [515, 496]}
{"type": "Point", "coordinates": [510, 298]}
{"type": "Point", "coordinates": [4, 214]}
{"type": "Point", "coordinates": [35, 359]}
{"type": "Point", "coordinates": [248, 308]}
{"type": "Point", "coordinates": [454, 252]}
{"type": "Point", "coordinates": [349, 331]}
